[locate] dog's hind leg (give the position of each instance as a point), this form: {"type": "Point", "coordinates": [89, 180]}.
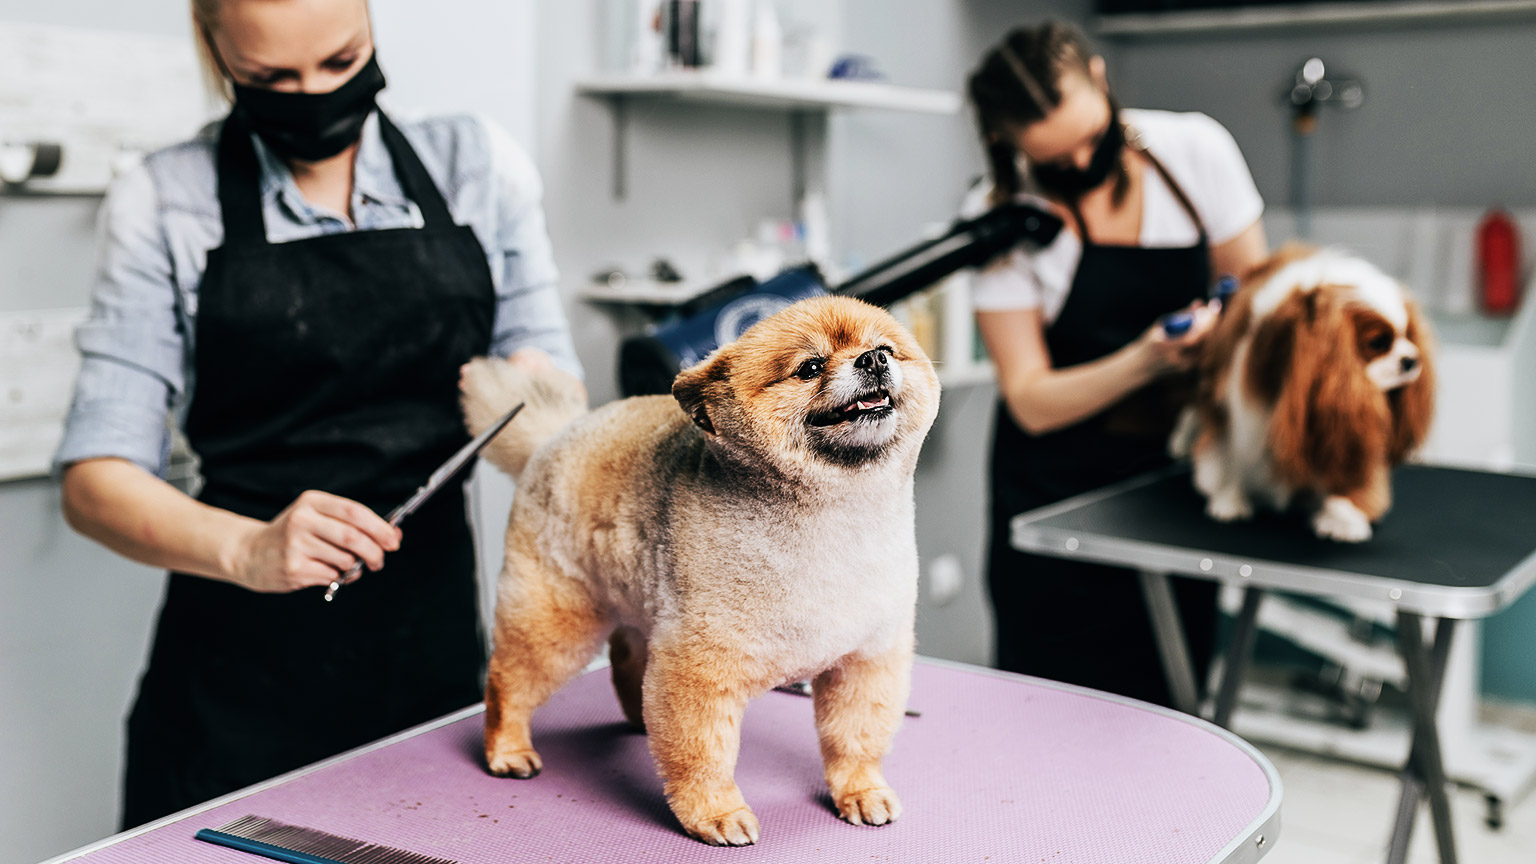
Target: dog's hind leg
{"type": "Point", "coordinates": [693, 711]}
{"type": "Point", "coordinates": [859, 704]}
{"type": "Point", "coordinates": [627, 654]}
{"type": "Point", "coordinates": [547, 628]}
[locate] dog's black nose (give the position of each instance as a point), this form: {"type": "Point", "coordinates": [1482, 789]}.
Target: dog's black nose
{"type": "Point", "coordinates": [873, 361]}
{"type": "Point", "coordinates": [1409, 362]}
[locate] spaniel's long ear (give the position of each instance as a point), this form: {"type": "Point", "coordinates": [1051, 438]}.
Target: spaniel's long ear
{"type": "Point", "coordinates": [1413, 405]}
{"type": "Point", "coordinates": [695, 388]}
{"type": "Point", "coordinates": [1330, 422]}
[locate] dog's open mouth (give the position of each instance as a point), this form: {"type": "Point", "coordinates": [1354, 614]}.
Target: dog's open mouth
{"type": "Point", "coordinates": [874, 404]}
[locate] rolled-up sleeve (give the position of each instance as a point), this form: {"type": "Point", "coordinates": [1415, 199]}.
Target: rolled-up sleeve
{"type": "Point", "coordinates": [131, 346]}
{"type": "Point", "coordinates": [528, 307]}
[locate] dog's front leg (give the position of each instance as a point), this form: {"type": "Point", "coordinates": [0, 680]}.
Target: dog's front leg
{"type": "Point", "coordinates": [693, 708]}
{"type": "Point", "coordinates": [859, 704]}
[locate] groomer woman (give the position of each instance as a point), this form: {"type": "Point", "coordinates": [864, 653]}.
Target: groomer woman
{"type": "Point", "coordinates": [1155, 204]}
{"type": "Point", "coordinates": [300, 285]}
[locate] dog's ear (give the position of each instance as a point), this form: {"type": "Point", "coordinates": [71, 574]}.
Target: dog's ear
{"type": "Point", "coordinates": [1330, 423]}
{"type": "Point", "coordinates": [692, 388]}
{"type": "Point", "coordinates": [1413, 405]}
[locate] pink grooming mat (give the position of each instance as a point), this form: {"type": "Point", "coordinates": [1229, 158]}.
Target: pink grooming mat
{"type": "Point", "coordinates": [998, 768]}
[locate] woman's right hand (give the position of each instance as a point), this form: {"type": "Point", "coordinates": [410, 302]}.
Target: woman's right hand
{"type": "Point", "coordinates": [1164, 354]}
{"type": "Point", "coordinates": [317, 537]}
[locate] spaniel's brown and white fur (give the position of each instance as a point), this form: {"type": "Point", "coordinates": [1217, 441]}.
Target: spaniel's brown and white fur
{"type": "Point", "coordinates": [1317, 380]}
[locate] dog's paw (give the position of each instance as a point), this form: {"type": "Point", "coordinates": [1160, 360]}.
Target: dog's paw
{"type": "Point", "coordinates": [1181, 441]}
{"type": "Point", "coordinates": [736, 828]}
{"type": "Point", "coordinates": [870, 807]}
{"type": "Point", "coordinates": [521, 764]}
{"type": "Point", "coordinates": [1229, 505]}
{"type": "Point", "coordinates": [1339, 519]}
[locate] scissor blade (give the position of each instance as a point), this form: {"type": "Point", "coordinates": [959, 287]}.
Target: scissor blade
{"type": "Point", "coordinates": [459, 459]}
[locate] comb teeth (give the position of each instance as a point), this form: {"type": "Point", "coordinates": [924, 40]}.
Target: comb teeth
{"type": "Point", "coordinates": [319, 844]}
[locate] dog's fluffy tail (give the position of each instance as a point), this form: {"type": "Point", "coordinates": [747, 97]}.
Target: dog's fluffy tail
{"type": "Point", "coordinates": [490, 387]}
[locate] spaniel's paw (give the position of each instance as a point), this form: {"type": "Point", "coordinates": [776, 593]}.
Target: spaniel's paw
{"type": "Point", "coordinates": [1339, 519]}
{"type": "Point", "coordinates": [1229, 505]}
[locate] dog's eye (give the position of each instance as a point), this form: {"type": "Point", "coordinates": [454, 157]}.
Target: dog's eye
{"type": "Point", "coordinates": [810, 369]}
{"type": "Point", "coordinates": [1381, 343]}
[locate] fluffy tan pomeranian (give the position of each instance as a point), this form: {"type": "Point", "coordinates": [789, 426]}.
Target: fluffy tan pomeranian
{"type": "Point", "coordinates": [755, 528]}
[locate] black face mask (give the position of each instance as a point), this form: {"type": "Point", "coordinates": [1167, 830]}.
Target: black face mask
{"type": "Point", "coordinates": [312, 126]}
{"type": "Point", "coordinates": [1071, 183]}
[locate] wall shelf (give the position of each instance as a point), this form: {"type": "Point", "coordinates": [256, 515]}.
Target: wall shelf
{"type": "Point", "coordinates": [774, 93]}
{"type": "Point", "coordinates": [1308, 16]}
{"type": "Point", "coordinates": [807, 101]}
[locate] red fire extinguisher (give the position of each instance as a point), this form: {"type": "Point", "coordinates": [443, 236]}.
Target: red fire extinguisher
{"type": "Point", "coordinates": [1498, 262]}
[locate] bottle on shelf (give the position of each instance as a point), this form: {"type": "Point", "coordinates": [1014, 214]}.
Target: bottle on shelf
{"type": "Point", "coordinates": [732, 43]}
{"type": "Point", "coordinates": [767, 41]}
{"type": "Point", "coordinates": [1498, 263]}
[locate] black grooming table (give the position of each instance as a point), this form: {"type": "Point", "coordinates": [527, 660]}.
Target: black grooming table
{"type": "Point", "coordinates": [1457, 544]}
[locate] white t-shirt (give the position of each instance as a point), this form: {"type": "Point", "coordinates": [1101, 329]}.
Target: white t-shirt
{"type": "Point", "coordinates": [1202, 158]}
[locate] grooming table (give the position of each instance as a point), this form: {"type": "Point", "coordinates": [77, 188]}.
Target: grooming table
{"type": "Point", "coordinates": [1457, 544]}
{"type": "Point", "coordinates": [998, 768]}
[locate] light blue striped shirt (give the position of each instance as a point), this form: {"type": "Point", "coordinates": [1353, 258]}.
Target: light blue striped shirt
{"type": "Point", "coordinates": [159, 221]}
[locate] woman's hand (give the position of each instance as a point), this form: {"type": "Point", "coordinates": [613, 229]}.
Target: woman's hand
{"type": "Point", "coordinates": [1163, 354]}
{"type": "Point", "coordinates": [316, 538]}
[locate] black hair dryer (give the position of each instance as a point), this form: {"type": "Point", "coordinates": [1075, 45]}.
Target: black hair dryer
{"type": "Point", "coordinates": [648, 363]}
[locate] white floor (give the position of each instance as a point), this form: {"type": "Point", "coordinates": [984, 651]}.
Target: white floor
{"type": "Point", "coordinates": [1337, 813]}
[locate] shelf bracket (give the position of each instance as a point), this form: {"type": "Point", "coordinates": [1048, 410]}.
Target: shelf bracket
{"type": "Point", "coordinates": [620, 147]}
{"type": "Point", "coordinates": [797, 158]}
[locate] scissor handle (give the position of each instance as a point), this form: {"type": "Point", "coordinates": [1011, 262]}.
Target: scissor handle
{"type": "Point", "coordinates": [395, 516]}
{"type": "Point", "coordinates": [349, 576]}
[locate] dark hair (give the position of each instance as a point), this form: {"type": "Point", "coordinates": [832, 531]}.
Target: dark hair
{"type": "Point", "coordinates": [1019, 82]}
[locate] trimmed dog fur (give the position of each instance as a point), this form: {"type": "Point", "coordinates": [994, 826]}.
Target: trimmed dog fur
{"type": "Point", "coordinates": [754, 529]}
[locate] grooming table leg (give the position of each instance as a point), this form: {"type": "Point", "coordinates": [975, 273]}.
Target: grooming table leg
{"type": "Point", "coordinates": [1171, 646]}
{"type": "Point", "coordinates": [1244, 632]}
{"type": "Point", "coordinates": [1425, 772]}
{"type": "Point", "coordinates": [1413, 787]}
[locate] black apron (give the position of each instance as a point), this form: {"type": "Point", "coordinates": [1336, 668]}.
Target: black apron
{"type": "Point", "coordinates": [326, 363]}
{"type": "Point", "coordinates": [1075, 621]}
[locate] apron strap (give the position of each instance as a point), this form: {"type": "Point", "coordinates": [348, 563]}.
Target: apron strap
{"type": "Point", "coordinates": [239, 180]}
{"type": "Point", "coordinates": [1133, 140]}
{"type": "Point", "coordinates": [1082, 227]}
{"type": "Point", "coordinates": [413, 176]}
{"type": "Point", "coordinates": [1176, 189]}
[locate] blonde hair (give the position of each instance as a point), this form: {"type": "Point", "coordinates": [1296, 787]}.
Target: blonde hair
{"type": "Point", "coordinates": [205, 19]}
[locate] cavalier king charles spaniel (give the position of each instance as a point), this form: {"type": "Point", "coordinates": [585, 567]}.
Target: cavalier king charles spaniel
{"type": "Point", "coordinates": [1314, 383]}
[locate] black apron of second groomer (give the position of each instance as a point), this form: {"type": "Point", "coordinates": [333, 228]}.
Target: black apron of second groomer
{"type": "Point", "coordinates": [327, 363]}
{"type": "Point", "coordinates": [1076, 621]}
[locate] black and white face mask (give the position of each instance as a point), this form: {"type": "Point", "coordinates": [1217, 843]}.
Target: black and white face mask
{"type": "Point", "coordinates": [312, 126]}
{"type": "Point", "coordinates": [1073, 183]}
